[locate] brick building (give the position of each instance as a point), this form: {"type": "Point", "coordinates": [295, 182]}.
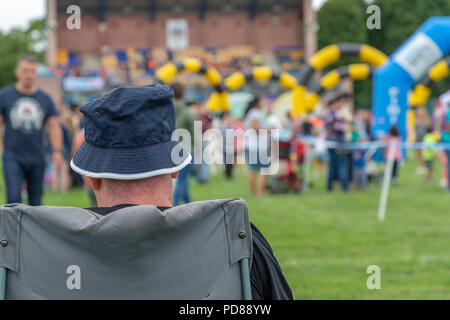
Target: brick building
{"type": "Point", "coordinates": [262, 24]}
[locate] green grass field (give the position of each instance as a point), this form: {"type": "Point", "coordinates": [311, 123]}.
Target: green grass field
{"type": "Point", "coordinates": [325, 242]}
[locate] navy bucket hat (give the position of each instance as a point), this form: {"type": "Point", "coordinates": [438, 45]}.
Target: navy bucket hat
{"type": "Point", "coordinates": [128, 135]}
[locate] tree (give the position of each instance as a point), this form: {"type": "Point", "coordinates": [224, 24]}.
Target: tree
{"type": "Point", "coordinates": [17, 42]}
{"type": "Point", "coordinates": [342, 21]}
{"type": "Point", "coordinates": [345, 21]}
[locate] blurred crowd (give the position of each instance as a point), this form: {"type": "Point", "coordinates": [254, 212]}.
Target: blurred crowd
{"type": "Point", "coordinates": [335, 143]}
{"type": "Point", "coordinates": [310, 148]}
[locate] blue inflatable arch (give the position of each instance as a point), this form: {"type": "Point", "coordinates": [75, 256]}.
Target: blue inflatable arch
{"type": "Point", "coordinates": [406, 66]}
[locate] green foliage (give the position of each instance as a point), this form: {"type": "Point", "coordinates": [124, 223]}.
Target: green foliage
{"type": "Point", "coordinates": [345, 20]}
{"type": "Point", "coordinates": [341, 21]}
{"type": "Point", "coordinates": [17, 42]}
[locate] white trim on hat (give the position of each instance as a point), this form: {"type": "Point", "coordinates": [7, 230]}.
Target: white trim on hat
{"type": "Point", "coordinates": [134, 176]}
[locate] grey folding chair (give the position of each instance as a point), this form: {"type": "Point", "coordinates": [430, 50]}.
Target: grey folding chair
{"type": "Point", "coordinates": [201, 250]}
{"type": "Point", "coordinates": [245, 277]}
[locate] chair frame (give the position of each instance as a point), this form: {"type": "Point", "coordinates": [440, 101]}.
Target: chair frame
{"type": "Point", "coordinates": [2, 283]}
{"type": "Point", "coordinates": [245, 277]}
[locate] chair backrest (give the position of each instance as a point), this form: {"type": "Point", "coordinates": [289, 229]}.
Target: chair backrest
{"type": "Point", "coordinates": [200, 250]}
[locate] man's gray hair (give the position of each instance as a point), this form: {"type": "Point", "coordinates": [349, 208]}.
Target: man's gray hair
{"type": "Point", "coordinates": [27, 57]}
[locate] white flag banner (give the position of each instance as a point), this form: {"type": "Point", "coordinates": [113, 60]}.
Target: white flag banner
{"type": "Point", "coordinates": [177, 34]}
{"type": "Point", "coordinates": [418, 55]}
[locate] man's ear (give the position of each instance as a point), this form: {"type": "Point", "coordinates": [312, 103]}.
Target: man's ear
{"type": "Point", "coordinates": [95, 183]}
{"type": "Point", "coordinates": [174, 175]}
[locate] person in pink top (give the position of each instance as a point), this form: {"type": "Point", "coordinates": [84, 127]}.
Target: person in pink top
{"type": "Point", "coordinates": [394, 136]}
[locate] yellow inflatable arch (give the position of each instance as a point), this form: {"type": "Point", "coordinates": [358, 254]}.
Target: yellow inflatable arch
{"type": "Point", "coordinates": [322, 59]}
{"type": "Point", "coordinates": [166, 73]}
{"type": "Point", "coordinates": [355, 71]}
{"type": "Point", "coordinates": [236, 80]}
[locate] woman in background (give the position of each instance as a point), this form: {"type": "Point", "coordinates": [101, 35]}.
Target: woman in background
{"type": "Point", "coordinates": [421, 125]}
{"type": "Point", "coordinates": [254, 119]}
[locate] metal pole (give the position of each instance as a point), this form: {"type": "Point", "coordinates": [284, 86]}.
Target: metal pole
{"type": "Point", "coordinates": [386, 181]}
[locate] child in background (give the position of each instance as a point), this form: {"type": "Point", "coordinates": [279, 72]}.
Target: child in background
{"type": "Point", "coordinates": [320, 153]}
{"type": "Point", "coordinates": [394, 137]}
{"type": "Point", "coordinates": [228, 148]}
{"type": "Point", "coordinates": [429, 153]}
{"type": "Point", "coordinates": [359, 164]}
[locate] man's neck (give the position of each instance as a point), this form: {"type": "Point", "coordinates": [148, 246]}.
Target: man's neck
{"type": "Point", "coordinates": [24, 90]}
{"type": "Point", "coordinates": [136, 201]}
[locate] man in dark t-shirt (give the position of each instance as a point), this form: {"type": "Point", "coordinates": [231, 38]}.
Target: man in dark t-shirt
{"type": "Point", "coordinates": [25, 111]}
{"type": "Point", "coordinates": [336, 131]}
{"type": "Point", "coordinates": [131, 162]}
